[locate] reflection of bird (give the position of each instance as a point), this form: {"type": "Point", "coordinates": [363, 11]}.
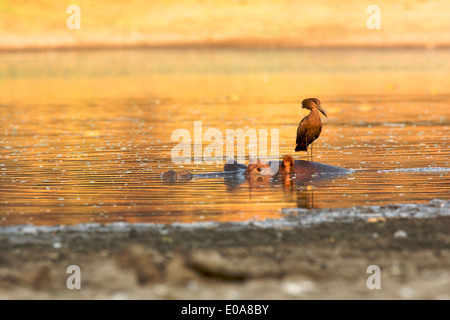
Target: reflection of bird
{"type": "Point", "coordinates": [310, 127]}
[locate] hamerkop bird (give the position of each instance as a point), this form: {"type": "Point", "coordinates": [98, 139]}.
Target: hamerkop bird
{"type": "Point", "coordinates": [310, 127]}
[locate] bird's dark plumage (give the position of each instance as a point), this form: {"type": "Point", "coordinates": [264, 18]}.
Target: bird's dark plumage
{"type": "Point", "coordinates": [310, 127]}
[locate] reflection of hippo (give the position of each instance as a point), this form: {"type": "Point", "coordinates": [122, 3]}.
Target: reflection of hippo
{"type": "Point", "coordinates": [288, 167]}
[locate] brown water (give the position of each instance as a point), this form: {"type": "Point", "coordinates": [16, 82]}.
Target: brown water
{"type": "Point", "coordinates": [86, 135]}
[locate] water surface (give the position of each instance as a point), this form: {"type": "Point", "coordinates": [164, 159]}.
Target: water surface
{"type": "Point", "coordinates": [85, 135]}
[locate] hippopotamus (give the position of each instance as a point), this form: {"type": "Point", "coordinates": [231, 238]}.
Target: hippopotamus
{"type": "Point", "coordinates": [288, 168]}
{"type": "Point", "coordinates": [302, 168]}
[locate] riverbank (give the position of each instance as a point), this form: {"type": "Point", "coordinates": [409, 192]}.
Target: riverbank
{"type": "Point", "coordinates": [251, 261]}
{"type": "Point", "coordinates": [267, 24]}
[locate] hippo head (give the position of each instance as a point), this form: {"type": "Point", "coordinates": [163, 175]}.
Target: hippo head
{"type": "Point", "coordinates": [259, 168]}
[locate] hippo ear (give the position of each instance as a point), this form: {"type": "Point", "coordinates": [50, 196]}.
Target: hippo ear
{"type": "Point", "coordinates": [261, 163]}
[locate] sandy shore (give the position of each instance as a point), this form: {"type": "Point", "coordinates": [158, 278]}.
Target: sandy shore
{"type": "Point", "coordinates": [324, 261]}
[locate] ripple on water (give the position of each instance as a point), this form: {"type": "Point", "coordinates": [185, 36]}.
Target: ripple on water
{"type": "Point", "coordinates": [92, 149]}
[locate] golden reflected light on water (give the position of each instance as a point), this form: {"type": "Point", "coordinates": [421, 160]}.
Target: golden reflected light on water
{"type": "Point", "coordinates": [85, 135]}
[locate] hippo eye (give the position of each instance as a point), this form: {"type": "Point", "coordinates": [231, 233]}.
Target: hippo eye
{"type": "Point", "coordinates": [260, 169]}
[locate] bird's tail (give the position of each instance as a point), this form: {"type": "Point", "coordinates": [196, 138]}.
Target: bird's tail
{"type": "Point", "coordinates": [300, 147]}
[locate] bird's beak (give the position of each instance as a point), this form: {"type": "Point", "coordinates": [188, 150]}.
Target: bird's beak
{"type": "Point", "coordinates": [323, 111]}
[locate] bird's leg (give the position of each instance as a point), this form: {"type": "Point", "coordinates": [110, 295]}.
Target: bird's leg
{"type": "Point", "coordinates": [307, 153]}
{"type": "Point", "coordinates": [312, 154]}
